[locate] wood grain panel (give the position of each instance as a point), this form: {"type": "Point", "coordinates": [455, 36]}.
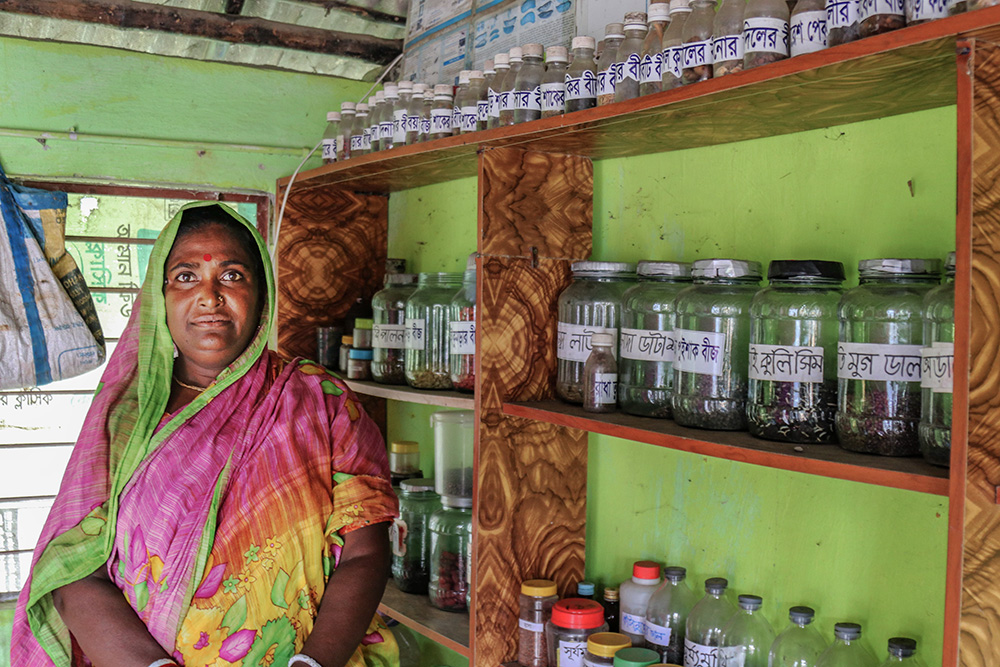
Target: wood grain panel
{"type": "Point", "coordinates": [980, 624]}
{"type": "Point", "coordinates": [331, 251]}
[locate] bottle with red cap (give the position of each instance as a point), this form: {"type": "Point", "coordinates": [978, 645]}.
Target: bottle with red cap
{"type": "Point", "coordinates": [573, 621]}
{"type": "Point", "coordinates": [635, 594]}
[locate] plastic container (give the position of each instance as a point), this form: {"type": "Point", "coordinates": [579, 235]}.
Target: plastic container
{"type": "Point", "coordinates": [463, 332]}
{"type": "Point", "coordinates": [328, 346]}
{"type": "Point", "coordinates": [346, 345]}
{"type": "Point", "coordinates": [536, 601]}
{"type": "Point", "coordinates": [600, 375]}
{"type": "Point", "coordinates": [359, 364]}
{"type": "Point", "coordinates": [363, 333]}
{"type": "Point", "coordinates": [703, 632]}
{"type": "Point", "coordinates": [697, 38]}
{"type": "Point", "coordinates": [461, 92]}
{"type": "Point", "coordinates": [807, 27]}
{"type": "Point", "coordinates": [666, 614]}
{"type": "Point", "coordinates": [425, 114]}
{"type": "Point", "coordinates": [841, 21]}
{"type": "Point", "coordinates": [410, 535]}
{"type": "Point", "coordinates": [508, 97]}
{"type": "Point", "coordinates": [651, 63]}
{"type": "Point", "coordinates": [646, 339]}
{"type": "Point", "coordinates": [635, 594]}
{"type": "Point", "coordinates": [332, 138]}
{"type": "Point", "coordinates": [454, 432]}
{"type": "Point", "coordinates": [489, 75]}
{"type": "Point", "coordinates": [376, 105]}
{"type": "Point", "coordinates": [607, 70]}
{"type": "Point", "coordinates": [590, 304]}
{"type": "Point", "coordinates": [799, 645]}
{"type": "Point", "coordinates": [428, 332]}
{"type": "Point", "coordinates": [903, 652]}
{"type": "Point", "coordinates": [581, 76]}
{"type": "Point", "coordinates": [451, 547]}
{"type": "Point", "coordinates": [765, 32]}
{"type": "Point", "coordinates": [348, 115]}
{"type": "Point", "coordinates": [629, 57]}
{"type": "Point", "coordinates": [413, 114]}
{"type": "Point", "coordinates": [727, 38]}
{"type": "Point", "coordinates": [441, 112]}
{"type": "Point", "coordinates": [404, 461]}
{"type": "Point", "coordinates": [528, 85]}
{"type": "Point", "coordinates": [673, 44]}
{"type": "Point", "coordinates": [635, 657]}
{"type": "Point", "coordinates": [573, 621]}
{"type": "Point", "coordinates": [793, 352]}
{"type": "Point", "coordinates": [601, 648]}
{"type": "Point", "coordinates": [479, 94]}
{"type": "Point", "coordinates": [922, 11]}
{"type": "Point", "coordinates": [387, 120]}
{"type": "Point", "coordinates": [747, 637]}
{"type": "Point", "coordinates": [846, 650]}
{"type": "Point", "coordinates": [878, 16]}
{"type": "Point", "coordinates": [389, 328]}
{"type": "Point", "coordinates": [502, 65]}
{"type": "Point", "coordinates": [712, 340]}
{"type": "Point", "coordinates": [878, 357]}
{"type": "Point", "coordinates": [937, 369]}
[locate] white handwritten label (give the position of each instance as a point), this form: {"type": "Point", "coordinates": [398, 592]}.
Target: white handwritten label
{"type": "Point", "coordinates": [647, 345]}
{"type": "Point", "coordinates": [412, 122]}
{"type": "Point", "coordinates": [553, 96]}
{"type": "Point", "coordinates": [582, 88]}
{"type": "Point", "coordinates": [732, 656]}
{"type": "Point", "coordinates": [357, 142]}
{"type": "Point", "coordinates": [389, 336]}
{"type": "Point", "coordinates": [385, 130]}
{"type": "Point", "coordinates": [657, 634]}
{"type": "Point", "coordinates": [366, 143]}
{"type": "Point", "coordinates": [651, 68]}
{"type": "Point", "coordinates": [397, 537]}
{"type": "Point", "coordinates": [925, 10]}
{"type": "Point", "coordinates": [701, 352]}
{"type": "Point", "coordinates": [440, 121]}
{"type": "Point", "coordinates": [880, 362]}
{"type": "Point", "coordinates": [697, 54]}
{"type": "Point", "coordinates": [763, 34]}
{"type": "Point", "coordinates": [415, 334]}
{"type": "Point", "coordinates": [530, 626]}
{"type": "Point", "coordinates": [482, 110]}
{"type": "Point", "coordinates": [425, 125]}
{"type": "Point", "coordinates": [463, 337]}
{"type": "Point", "coordinates": [494, 100]}
{"type": "Point", "coordinates": [633, 624]}
{"type": "Point", "coordinates": [573, 341]}
{"type": "Point", "coordinates": [330, 149]}
{"type": "Point", "coordinates": [786, 363]}
{"type": "Point", "coordinates": [570, 654]}
{"type": "Point", "coordinates": [399, 126]}
{"type": "Point", "coordinates": [870, 8]}
{"type": "Point", "coordinates": [673, 61]}
{"type": "Point", "coordinates": [727, 47]}
{"type": "Point", "coordinates": [470, 116]}
{"type": "Point", "coordinates": [937, 367]}
{"type": "Point", "coordinates": [606, 388]}
{"type": "Point", "coordinates": [808, 32]}
{"type": "Point", "coordinates": [629, 69]}
{"type": "Point", "coordinates": [505, 99]}
{"type": "Point", "coordinates": [606, 81]}
{"type": "Point", "coordinates": [456, 118]}
{"type": "Point", "coordinates": [699, 655]}
{"type": "Point", "coordinates": [841, 13]}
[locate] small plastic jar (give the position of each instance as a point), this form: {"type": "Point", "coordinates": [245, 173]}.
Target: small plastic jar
{"type": "Point", "coordinates": [463, 331]}
{"type": "Point", "coordinates": [359, 364]}
{"type": "Point", "coordinates": [601, 648]}
{"type": "Point", "coordinates": [573, 621]}
{"type": "Point", "coordinates": [635, 657]}
{"type": "Point", "coordinates": [346, 344]}
{"type": "Point", "coordinates": [428, 335]}
{"type": "Point", "coordinates": [451, 543]}
{"type": "Point", "coordinates": [937, 369]}
{"type": "Point", "coordinates": [389, 328]}
{"type": "Point", "coordinates": [410, 535]}
{"type": "Point", "coordinates": [454, 438]}
{"type": "Point", "coordinates": [404, 461]}
{"type": "Point", "coordinates": [537, 598]}
{"type": "Point", "coordinates": [363, 333]}
{"type": "Point", "coordinates": [600, 375]}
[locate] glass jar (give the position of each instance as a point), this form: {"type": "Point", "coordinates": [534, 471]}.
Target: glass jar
{"type": "Point", "coordinates": [878, 16]}
{"type": "Point", "coordinates": [607, 70]}
{"type": "Point", "coordinates": [461, 92]}
{"type": "Point", "coordinates": [413, 114]}
{"type": "Point", "coordinates": [727, 38]}
{"type": "Point", "coordinates": [502, 65]}
{"type": "Point", "coordinates": [508, 97]}
{"type": "Point", "coordinates": [591, 304]}
{"type": "Point", "coordinates": [937, 369]}
{"type": "Point", "coordinates": [602, 646]}
{"type": "Point", "coordinates": [841, 21]}
{"type": "Point", "coordinates": [573, 621]}
{"type": "Point", "coordinates": [581, 77]}
{"type": "Point", "coordinates": [600, 375]}
{"type": "Point", "coordinates": [410, 535]}
{"type": "Point", "coordinates": [712, 340]}
{"type": "Point", "coordinates": [404, 461]}
{"type": "Point", "coordinates": [673, 44]}
{"type": "Point", "coordinates": [528, 84]}
{"type": "Point", "coordinates": [793, 352]}
{"type": "Point", "coordinates": [765, 32]}
{"type": "Point", "coordinates": [878, 356]}
{"type": "Point", "coordinates": [697, 38]}
{"type": "Point", "coordinates": [922, 11]}
{"type": "Point", "coordinates": [332, 138]}
{"type": "Point", "coordinates": [553, 88]}
{"type": "Point", "coordinates": [428, 334]}
{"type": "Point", "coordinates": [359, 364]}
{"type": "Point", "coordinates": [348, 116]}
{"type": "Point", "coordinates": [441, 112]}
{"type": "Point", "coordinates": [847, 649]}
{"type": "Point", "coordinates": [463, 331]}
{"type": "Point", "coordinates": [629, 57]}
{"type": "Point", "coordinates": [807, 33]}
{"type": "Point", "coordinates": [489, 74]}
{"type": "Point", "coordinates": [651, 64]}
{"type": "Point", "coordinates": [536, 601]}
{"type": "Point", "coordinates": [646, 341]}
{"type": "Point", "coordinates": [451, 544]}
{"type": "Point", "coordinates": [328, 346]}
{"type": "Point", "coordinates": [389, 328]}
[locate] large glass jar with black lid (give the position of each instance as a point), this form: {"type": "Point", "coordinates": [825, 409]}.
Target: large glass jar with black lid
{"type": "Point", "coordinates": [712, 340]}
{"type": "Point", "coordinates": [410, 535]}
{"type": "Point", "coordinates": [389, 328]}
{"type": "Point", "coordinates": [646, 341]}
{"type": "Point", "coordinates": [428, 331]}
{"type": "Point", "coordinates": [451, 545]}
{"type": "Point", "coordinates": [793, 352]}
{"type": "Point", "coordinates": [591, 304]}
{"type": "Point", "coordinates": [878, 356]}
{"type": "Point", "coordinates": [937, 369]}
{"type": "Point", "coordinates": [463, 331]}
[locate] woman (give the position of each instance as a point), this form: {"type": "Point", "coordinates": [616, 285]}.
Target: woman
{"type": "Point", "coordinates": [220, 507]}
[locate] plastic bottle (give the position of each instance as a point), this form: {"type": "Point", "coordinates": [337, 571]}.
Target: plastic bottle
{"type": "Point", "coordinates": [807, 31]}
{"type": "Point", "coordinates": [846, 650]}
{"type": "Point", "coordinates": [581, 77]}
{"type": "Point", "coordinates": [629, 57]}
{"type": "Point", "coordinates": [748, 636]}
{"type": "Point", "coordinates": [502, 64]}
{"type": "Point", "coordinates": [331, 137]}
{"type": "Point", "coordinates": [401, 113]}
{"type": "Point", "coordinates": [651, 65]}
{"type": "Point", "coordinates": [612, 608]}
{"type": "Point", "coordinates": [528, 84]}
{"type": "Point", "coordinates": [697, 38]}
{"type": "Point", "coordinates": [673, 44]}
{"type": "Point", "coordinates": [425, 114]}
{"type": "Point", "coordinates": [799, 645]}
{"type": "Point", "coordinates": [727, 38]}
{"type": "Point", "coordinates": [441, 112]}
{"type": "Point", "coordinates": [703, 631]}
{"type": "Point", "coordinates": [585, 590]}
{"type": "Point", "coordinates": [489, 73]}
{"type": "Point", "coordinates": [479, 92]}
{"type": "Point", "coordinates": [600, 385]}
{"type": "Point", "coordinates": [348, 114]}
{"type": "Point", "coordinates": [666, 615]}
{"type": "Point", "coordinates": [414, 113]}
{"type": "Point", "coordinates": [635, 594]}
{"type": "Point", "coordinates": [765, 32]}
{"type": "Point", "coordinates": [470, 102]}
{"type": "Point", "coordinates": [554, 82]}
{"type": "Point", "coordinates": [903, 652]}
{"type": "Point", "coordinates": [607, 70]}
{"type": "Point", "coordinates": [360, 133]}
{"type": "Point", "coordinates": [376, 105]}
{"type": "Point", "coordinates": [458, 101]}
{"type": "Point", "coordinates": [386, 136]}
{"type": "Point", "coordinates": [508, 100]}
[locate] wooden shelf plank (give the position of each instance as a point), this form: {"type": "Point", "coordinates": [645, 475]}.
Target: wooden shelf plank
{"type": "Point", "coordinates": [417, 613]}
{"type": "Point", "coordinates": [443, 399]}
{"type": "Point", "coordinates": [912, 474]}
{"type": "Point", "coordinates": [907, 70]}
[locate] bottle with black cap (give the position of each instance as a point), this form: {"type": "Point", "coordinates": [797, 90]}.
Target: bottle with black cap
{"type": "Point", "coordinates": [903, 651]}
{"type": "Point", "coordinates": [800, 644]}
{"type": "Point", "coordinates": [747, 637]}
{"type": "Point", "coordinates": [667, 613]}
{"type": "Point", "coordinates": [703, 634]}
{"type": "Point", "coordinates": [847, 649]}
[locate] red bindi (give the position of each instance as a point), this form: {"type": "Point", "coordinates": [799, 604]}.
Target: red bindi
{"type": "Point", "coordinates": [207, 257]}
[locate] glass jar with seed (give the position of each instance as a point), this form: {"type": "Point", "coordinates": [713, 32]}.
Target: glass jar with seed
{"type": "Point", "coordinates": [629, 57]}
{"type": "Point", "coordinates": [389, 328]}
{"type": "Point", "coordinates": [463, 330]}
{"type": "Point", "coordinates": [673, 44]}
{"type": "Point", "coordinates": [937, 370]}
{"type": "Point", "coordinates": [697, 38]}
{"type": "Point", "coordinates": [807, 32]}
{"type": "Point", "coordinates": [651, 65]}
{"type": "Point", "coordinates": [508, 96]}
{"type": "Point", "coordinates": [409, 535]}
{"type": "Point", "coordinates": [581, 77]}
{"type": "Point", "coordinates": [765, 32]}
{"type": "Point", "coordinates": [428, 332]}
{"type": "Point", "coordinates": [554, 82]}
{"type": "Point", "coordinates": [727, 38]}
{"type": "Point", "coordinates": [441, 112]}
{"type": "Point", "coordinates": [607, 70]}
{"type": "Point", "coordinates": [528, 85]}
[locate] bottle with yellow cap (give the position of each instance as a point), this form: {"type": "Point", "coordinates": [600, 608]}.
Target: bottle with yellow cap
{"type": "Point", "coordinates": [404, 461]}
{"type": "Point", "coordinates": [537, 598]}
{"type": "Point", "coordinates": [601, 648]}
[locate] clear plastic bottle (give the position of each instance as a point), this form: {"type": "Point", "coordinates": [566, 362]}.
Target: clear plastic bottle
{"type": "Point", "coordinates": [846, 650]}
{"type": "Point", "coordinates": [441, 112]}
{"type": "Point", "coordinates": [651, 64]}
{"type": "Point", "coordinates": [703, 630]}
{"type": "Point", "coordinates": [458, 101]}
{"type": "Point", "coordinates": [673, 44]}
{"type": "Point", "coordinates": [479, 92]}
{"type": "Point", "coordinates": [727, 38]}
{"type": "Point", "coordinates": [697, 37]}
{"type": "Point", "coordinates": [414, 113]}
{"type": "Point", "coordinates": [629, 57]}
{"type": "Point", "coordinates": [841, 21]}
{"type": "Point", "coordinates": [553, 88]}
{"type": "Point", "coordinates": [332, 138]}
{"type": "Point", "coordinates": [489, 74]}
{"type": "Point", "coordinates": [807, 31]}
{"type": "Point", "coordinates": [666, 615]}
{"type": "Point", "coordinates": [387, 135]}
{"type": "Point", "coordinates": [635, 594]}
{"type": "Point", "coordinates": [607, 70]}
{"type": "Point", "coordinates": [470, 102]}
{"type": "Point", "coordinates": [360, 132]}
{"type": "Point", "coordinates": [600, 375]}
{"type": "Point", "coordinates": [903, 652]}
{"type": "Point", "coordinates": [938, 356]}
{"type": "Point", "coordinates": [502, 64]}
{"type": "Point", "coordinates": [748, 636]}
{"type": "Point", "coordinates": [401, 113]}
{"type": "Point", "coordinates": [765, 32]}
{"type": "Point", "coordinates": [348, 115]}
{"type": "Point", "coordinates": [425, 114]}
{"type": "Point", "coordinates": [581, 77]}
{"type": "Point", "coordinates": [799, 645]}
{"type": "Point", "coordinates": [376, 105]}
{"type": "Point", "coordinates": [508, 97]}
{"type": "Point", "coordinates": [528, 84]}
{"type": "Point", "coordinates": [878, 16]}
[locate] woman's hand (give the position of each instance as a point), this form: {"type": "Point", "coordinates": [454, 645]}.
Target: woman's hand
{"type": "Point", "coordinates": [104, 624]}
{"type": "Point", "coordinates": [352, 596]}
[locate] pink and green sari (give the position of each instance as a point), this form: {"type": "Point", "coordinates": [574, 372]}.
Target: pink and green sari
{"type": "Point", "coordinates": [220, 523]}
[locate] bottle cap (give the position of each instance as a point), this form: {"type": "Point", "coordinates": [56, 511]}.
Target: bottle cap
{"type": "Point", "coordinates": [417, 485]}
{"type": "Point", "coordinates": [578, 613]}
{"type": "Point", "coordinates": [442, 89]}
{"type": "Point", "coordinates": [613, 30]}
{"type": "Point", "coordinates": [535, 50]}
{"type": "Point", "coordinates": [675, 269]}
{"type": "Point", "coordinates": [333, 117]}
{"type": "Point", "coordinates": [374, 99]}
{"type": "Point", "coordinates": [635, 657]}
{"type": "Point", "coordinates": [489, 66]}
{"type": "Point", "coordinates": [405, 86]}
{"type": "Point", "coordinates": [463, 77]}
{"type": "Point", "coordinates": [356, 353]}
{"type": "Point", "coordinates": [515, 54]}
{"type": "Point", "coordinates": [725, 268]}
{"type": "Point", "coordinates": [634, 20]}
{"type": "Point", "coordinates": [419, 88]}
{"type": "Point", "coordinates": [803, 615]}
{"type": "Point", "coordinates": [429, 93]}
{"type": "Point", "coordinates": [785, 269]}
{"type": "Point", "coordinates": [611, 593]}
{"type": "Point", "coordinates": [750, 602]}
{"type": "Point", "coordinates": [501, 60]}
{"type": "Point", "coordinates": [674, 573]}
{"type": "Point", "coordinates": [363, 323]}
{"type": "Point", "coordinates": [347, 106]}
{"type": "Point", "coordinates": [949, 265]}
{"type": "Point", "coordinates": [476, 74]}
{"type": "Point", "coordinates": [606, 644]}
{"type": "Point", "coordinates": [602, 340]}
{"type": "Point", "coordinates": [895, 266]}
{"type": "Point", "coordinates": [679, 6]}
{"type": "Point", "coordinates": [347, 340]}
{"type": "Point", "coordinates": [902, 647]}
{"type": "Point", "coordinates": [404, 447]}
{"type": "Point", "coordinates": [584, 42]}
{"type": "Point", "coordinates": [641, 569]}
{"type": "Point", "coordinates": [587, 267]}
{"type": "Point", "coordinates": [363, 108]}
{"type": "Point", "coordinates": [401, 279]}
{"type": "Point", "coordinates": [470, 261]}
{"type": "Point", "coordinates": [847, 631]}
{"type": "Point", "coordinates": [538, 588]}
{"type": "Point", "coordinates": [379, 95]}
{"type": "Point", "coordinates": [585, 588]}
{"type": "Point", "coordinates": [716, 585]}
{"type": "Point", "coordinates": [391, 91]}
{"type": "Point", "coordinates": [556, 54]}
{"type": "Point", "coordinates": [659, 11]}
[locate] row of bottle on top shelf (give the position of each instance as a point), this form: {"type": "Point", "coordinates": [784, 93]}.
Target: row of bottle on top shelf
{"type": "Point", "coordinates": [665, 617]}
{"type": "Point", "coordinates": [677, 43]}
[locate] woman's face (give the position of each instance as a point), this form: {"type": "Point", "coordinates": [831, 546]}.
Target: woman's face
{"type": "Point", "coordinates": [213, 300]}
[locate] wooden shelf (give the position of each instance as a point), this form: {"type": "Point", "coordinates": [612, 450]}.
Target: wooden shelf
{"type": "Point", "coordinates": [417, 613]}
{"type": "Point", "coordinates": [912, 474]}
{"type": "Point", "coordinates": [443, 399]}
{"type": "Point", "coordinates": [907, 70]}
